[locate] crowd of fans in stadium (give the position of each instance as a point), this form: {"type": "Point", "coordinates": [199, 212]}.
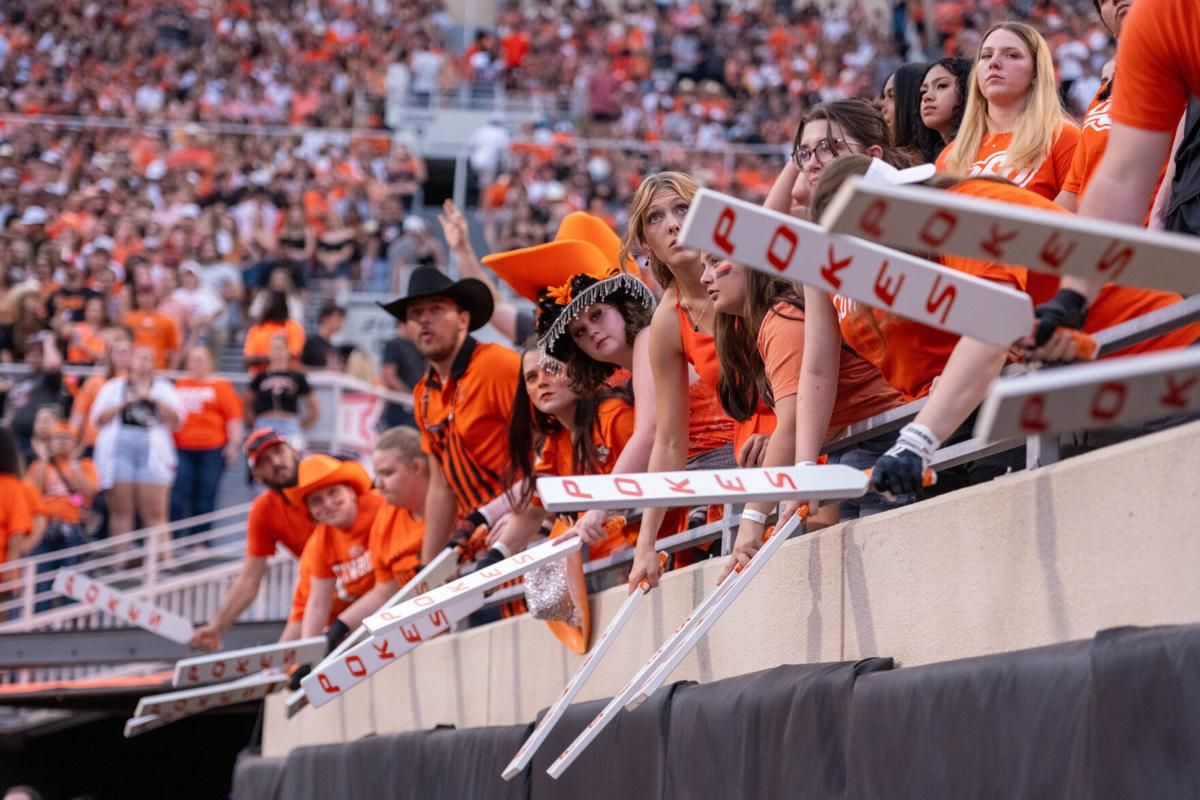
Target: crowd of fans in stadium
{"type": "Point", "coordinates": [137, 249]}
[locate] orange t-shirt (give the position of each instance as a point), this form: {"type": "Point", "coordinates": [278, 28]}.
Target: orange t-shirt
{"type": "Point", "coordinates": [1159, 64]}
{"type": "Point", "coordinates": [21, 503]}
{"type": "Point", "coordinates": [58, 501]}
{"type": "Point", "coordinates": [464, 422]}
{"type": "Point", "coordinates": [154, 330]}
{"type": "Point", "coordinates": [345, 556]}
{"type": "Point", "coordinates": [84, 343]}
{"type": "Point", "coordinates": [395, 544]}
{"type": "Point", "coordinates": [258, 340]}
{"type": "Point", "coordinates": [1046, 179]}
{"type": "Point", "coordinates": [274, 520]}
{"type": "Point", "coordinates": [862, 392]}
{"type": "Point", "coordinates": [300, 600]}
{"type": "Point", "coordinates": [610, 432]}
{"type": "Point", "coordinates": [209, 405]}
{"type": "Point", "coordinates": [709, 427]}
{"type": "Point", "coordinates": [84, 399]}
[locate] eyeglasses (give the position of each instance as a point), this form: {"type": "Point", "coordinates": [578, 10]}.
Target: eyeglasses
{"type": "Point", "coordinates": [824, 151]}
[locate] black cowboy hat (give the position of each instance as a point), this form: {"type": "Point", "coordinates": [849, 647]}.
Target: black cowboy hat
{"type": "Point", "coordinates": [471, 295]}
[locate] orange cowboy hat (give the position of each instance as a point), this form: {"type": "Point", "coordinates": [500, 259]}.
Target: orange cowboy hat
{"type": "Point", "coordinates": [319, 471]}
{"type": "Point", "coordinates": [583, 243]}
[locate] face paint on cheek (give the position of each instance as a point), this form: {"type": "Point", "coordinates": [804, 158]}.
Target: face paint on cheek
{"type": "Point", "coordinates": [723, 270]}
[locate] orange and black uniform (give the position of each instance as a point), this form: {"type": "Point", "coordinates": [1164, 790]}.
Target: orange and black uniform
{"type": "Point", "coordinates": [464, 422]}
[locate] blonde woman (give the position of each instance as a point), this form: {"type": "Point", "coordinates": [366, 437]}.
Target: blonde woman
{"type": "Point", "coordinates": [1013, 125]}
{"type": "Point", "coordinates": [691, 428]}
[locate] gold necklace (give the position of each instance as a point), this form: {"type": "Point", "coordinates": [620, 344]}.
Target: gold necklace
{"type": "Point", "coordinates": [687, 310]}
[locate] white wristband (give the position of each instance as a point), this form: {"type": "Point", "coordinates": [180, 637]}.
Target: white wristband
{"type": "Point", "coordinates": [503, 548]}
{"type": "Point", "coordinates": [754, 516]}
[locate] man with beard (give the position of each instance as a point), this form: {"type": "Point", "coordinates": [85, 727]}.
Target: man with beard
{"type": "Point", "coordinates": [273, 520]}
{"type": "Point", "coordinates": [462, 405]}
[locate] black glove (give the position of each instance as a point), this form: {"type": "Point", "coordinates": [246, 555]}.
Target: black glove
{"type": "Point", "coordinates": [466, 526]}
{"type": "Point", "coordinates": [334, 634]}
{"type": "Point", "coordinates": [492, 556]}
{"type": "Point", "coordinates": [298, 675]}
{"type": "Point", "coordinates": [901, 470]}
{"type": "Point", "coordinates": [1066, 309]}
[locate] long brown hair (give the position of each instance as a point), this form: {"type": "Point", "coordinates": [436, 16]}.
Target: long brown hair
{"type": "Point", "coordinates": [683, 185]}
{"type": "Point", "coordinates": [743, 377]}
{"type": "Point", "coordinates": [857, 119]}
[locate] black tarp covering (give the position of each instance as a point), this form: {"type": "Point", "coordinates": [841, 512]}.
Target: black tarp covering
{"type": "Point", "coordinates": [777, 733]}
{"type": "Point", "coordinates": [1114, 718]}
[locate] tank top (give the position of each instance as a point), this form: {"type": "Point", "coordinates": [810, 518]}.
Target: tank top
{"type": "Point", "coordinates": [708, 426]}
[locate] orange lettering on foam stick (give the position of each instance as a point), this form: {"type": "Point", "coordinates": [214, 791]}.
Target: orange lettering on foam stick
{"type": "Point", "coordinates": [193, 674]}
{"type": "Point", "coordinates": [572, 488]}
{"type": "Point", "coordinates": [242, 665]}
{"type": "Point", "coordinates": [1033, 414]}
{"type": "Point", "coordinates": [113, 602]}
{"type": "Point", "coordinates": [1115, 262]}
{"type": "Point", "coordinates": [70, 586]}
{"type": "Point", "coordinates": [1108, 400]}
{"type": "Point", "coordinates": [785, 233]}
{"type": "Point", "coordinates": [133, 612]}
{"type": "Point", "coordinates": [948, 295]}
{"type": "Point", "coordinates": [265, 661]}
{"type": "Point", "coordinates": [218, 669]}
{"type": "Point", "coordinates": [329, 686]}
{"type": "Point", "coordinates": [938, 228]}
{"type": "Point", "coordinates": [1055, 253]}
{"type": "Point", "coordinates": [288, 657]}
{"type": "Point", "coordinates": [636, 491]}
{"type": "Point", "coordinates": [871, 217]}
{"type": "Point", "coordinates": [93, 591]}
{"type": "Point", "coordinates": [382, 651]}
{"type": "Point", "coordinates": [155, 620]}
{"type": "Point", "coordinates": [734, 485]}
{"type": "Point", "coordinates": [830, 271]}
{"type": "Point", "coordinates": [356, 666]}
{"type": "Point", "coordinates": [722, 230]}
{"type": "Point", "coordinates": [410, 633]}
{"type": "Point", "coordinates": [991, 245]}
{"type": "Point", "coordinates": [1174, 397]}
{"type": "Point", "coordinates": [777, 480]}
{"type": "Point", "coordinates": [522, 558]}
{"type": "Point", "coordinates": [681, 486]}
{"type": "Point", "coordinates": [883, 285]}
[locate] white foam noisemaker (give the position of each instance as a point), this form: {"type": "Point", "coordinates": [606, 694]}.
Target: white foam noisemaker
{"type": "Point", "coordinates": [926, 220]}
{"type": "Point", "coordinates": [124, 607]}
{"type": "Point", "coordinates": [333, 678]}
{"type": "Point", "coordinates": [867, 273]}
{"type": "Point", "coordinates": [704, 614]}
{"type": "Point", "coordinates": [441, 569]}
{"type": "Point", "coordinates": [174, 706]}
{"type": "Point", "coordinates": [1119, 391]}
{"type": "Point", "coordinates": [702, 486]}
{"type": "Point", "coordinates": [135, 726]}
{"type": "Point", "coordinates": [721, 599]}
{"type": "Point", "coordinates": [569, 692]}
{"type": "Point", "coordinates": [479, 581]}
{"type": "Point", "coordinates": [240, 663]}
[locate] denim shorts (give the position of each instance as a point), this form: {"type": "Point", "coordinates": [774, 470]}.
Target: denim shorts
{"type": "Point", "coordinates": [131, 458]}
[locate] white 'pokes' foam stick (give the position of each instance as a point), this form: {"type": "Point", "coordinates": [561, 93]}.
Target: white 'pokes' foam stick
{"type": "Point", "coordinates": [862, 271]}
{"type": "Point", "coordinates": [186, 702]}
{"type": "Point", "coordinates": [334, 678]}
{"type": "Point", "coordinates": [664, 652]}
{"type": "Point", "coordinates": [775, 484]}
{"type": "Point", "coordinates": [724, 595]}
{"type": "Point", "coordinates": [124, 607]}
{"type": "Point", "coordinates": [240, 663]}
{"type": "Point", "coordinates": [479, 581]}
{"type": "Point", "coordinates": [586, 667]}
{"type": "Point", "coordinates": [441, 569]}
{"type": "Point", "coordinates": [1119, 391]}
{"type": "Point", "coordinates": [136, 726]}
{"type": "Point", "coordinates": [930, 220]}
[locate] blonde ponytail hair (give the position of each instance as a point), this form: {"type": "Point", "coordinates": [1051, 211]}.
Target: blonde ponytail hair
{"type": "Point", "coordinates": [1037, 127]}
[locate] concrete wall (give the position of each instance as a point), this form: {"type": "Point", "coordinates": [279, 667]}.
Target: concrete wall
{"type": "Point", "coordinates": [1102, 540]}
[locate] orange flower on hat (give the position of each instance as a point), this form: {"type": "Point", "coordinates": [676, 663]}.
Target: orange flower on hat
{"type": "Point", "coordinates": [561, 294]}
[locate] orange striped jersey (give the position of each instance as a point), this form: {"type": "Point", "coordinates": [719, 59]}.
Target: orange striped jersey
{"type": "Point", "coordinates": [464, 421]}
